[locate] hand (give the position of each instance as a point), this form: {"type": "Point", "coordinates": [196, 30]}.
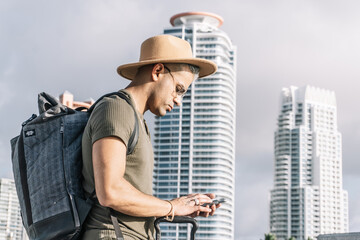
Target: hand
{"type": "Point", "coordinates": [190, 205]}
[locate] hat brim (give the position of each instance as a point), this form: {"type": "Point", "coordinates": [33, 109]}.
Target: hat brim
{"type": "Point", "coordinates": [207, 67]}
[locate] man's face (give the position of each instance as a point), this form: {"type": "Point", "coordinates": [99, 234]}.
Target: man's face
{"type": "Point", "coordinates": [171, 87]}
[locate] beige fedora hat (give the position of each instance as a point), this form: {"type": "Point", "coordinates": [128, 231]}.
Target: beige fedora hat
{"type": "Point", "coordinates": [166, 49]}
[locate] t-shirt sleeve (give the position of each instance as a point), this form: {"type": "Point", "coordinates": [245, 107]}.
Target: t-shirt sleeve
{"type": "Point", "coordinates": [112, 117]}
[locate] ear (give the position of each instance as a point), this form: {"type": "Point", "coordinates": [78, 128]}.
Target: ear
{"type": "Point", "coordinates": [156, 71]}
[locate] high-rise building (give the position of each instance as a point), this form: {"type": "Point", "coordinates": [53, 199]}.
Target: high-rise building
{"type": "Point", "coordinates": [307, 198]}
{"type": "Point", "coordinates": [11, 227]}
{"type": "Point", "coordinates": [195, 143]}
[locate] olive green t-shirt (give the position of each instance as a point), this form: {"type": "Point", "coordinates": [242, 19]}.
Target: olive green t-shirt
{"type": "Point", "coordinates": [113, 116]}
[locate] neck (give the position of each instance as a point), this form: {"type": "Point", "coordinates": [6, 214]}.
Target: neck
{"type": "Point", "coordinates": [139, 95]}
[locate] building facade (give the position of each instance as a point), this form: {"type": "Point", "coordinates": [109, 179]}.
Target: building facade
{"type": "Point", "coordinates": [194, 145]}
{"type": "Point", "coordinates": [11, 227]}
{"type": "Point", "coordinates": [307, 198]}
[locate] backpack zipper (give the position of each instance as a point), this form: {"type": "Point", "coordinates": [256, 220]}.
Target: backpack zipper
{"type": "Point", "coordinates": [72, 200]}
{"type": "Point", "coordinates": [62, 128]}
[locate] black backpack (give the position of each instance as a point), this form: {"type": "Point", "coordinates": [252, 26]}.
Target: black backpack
{"type": "Point", "coordinates": [47, 165]}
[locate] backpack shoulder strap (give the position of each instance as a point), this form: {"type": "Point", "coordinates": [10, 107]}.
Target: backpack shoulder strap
{"type": "Point", "coordinates": [135, 134]}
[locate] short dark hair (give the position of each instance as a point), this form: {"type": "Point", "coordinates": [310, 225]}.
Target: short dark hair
{"type": "Point", "coordinates": [194, 69]}
{"type": "Point", "coordinates": [180, 66]}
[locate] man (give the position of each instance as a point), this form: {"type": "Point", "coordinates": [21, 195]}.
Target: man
{"type": "Point", "coordinates": [124, 182]}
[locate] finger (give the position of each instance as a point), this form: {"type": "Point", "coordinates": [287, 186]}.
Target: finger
{"type": "Point", "coordinates": [210, 195]}
{"type": "Point", "coordinates": [204, 209]}
{"type": "Point", "coordinates": [206, 214]}
{"type": "Point", "coordinates": [204, 199]}
{"type": "Point", "coordinates": [197, 201]}
{"type": "Point", "coordinates": [192, 202]}
{"type": "Point", "coordinates": [213, 209]}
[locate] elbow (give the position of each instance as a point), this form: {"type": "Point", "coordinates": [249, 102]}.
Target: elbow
{"type": "Point", "coordinates": [110, 194]}
{"type": "Point", "coordinates": [106, 198]}
{"type": "Point", "coordinates": [104, 201]}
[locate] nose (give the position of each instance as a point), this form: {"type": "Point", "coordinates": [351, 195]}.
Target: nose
{"type": "Point", "coordinates": [177, 100]}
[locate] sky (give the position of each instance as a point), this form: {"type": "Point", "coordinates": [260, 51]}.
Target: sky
{"type": "Point", "coordinates": [75, 45]}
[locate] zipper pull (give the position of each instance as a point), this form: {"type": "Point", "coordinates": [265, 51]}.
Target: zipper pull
{"type": "Point", "coordinates": [62, 128]}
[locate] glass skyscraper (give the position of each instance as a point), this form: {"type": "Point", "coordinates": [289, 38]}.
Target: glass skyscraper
{"type": "Point", "coordinates": [194, 145]}
{"type": "Point", "coordinates": [307, 198]}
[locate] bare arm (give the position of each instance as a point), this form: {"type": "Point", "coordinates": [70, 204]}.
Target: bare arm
{"type": "Point", "coordinates": [112, 190]}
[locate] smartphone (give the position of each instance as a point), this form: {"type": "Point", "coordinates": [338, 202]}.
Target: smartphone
{"type": "Point", "coordinates": [215, 201]}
